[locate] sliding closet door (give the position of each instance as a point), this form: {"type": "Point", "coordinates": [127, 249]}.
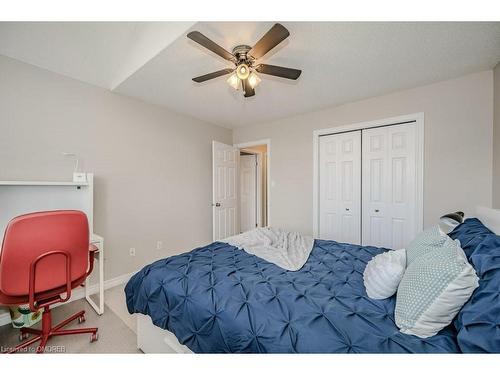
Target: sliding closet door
{"type": "Point", "coordinates": [389, 186]}
{"type": "Point", "coordinates": [340, 187]}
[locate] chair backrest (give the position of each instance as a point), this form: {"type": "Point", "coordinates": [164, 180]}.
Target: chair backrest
{"type": "Point", "coordinates": [31, 235]}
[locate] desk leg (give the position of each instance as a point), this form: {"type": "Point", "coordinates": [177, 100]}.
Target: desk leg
{"type": "Point", "coordinates": [101, 279]}
{"type": "Point", "coordinates": [99, 309]}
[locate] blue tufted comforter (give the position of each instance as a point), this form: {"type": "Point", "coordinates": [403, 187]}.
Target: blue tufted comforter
{"type": "Point", "coordinates": [219, 298]}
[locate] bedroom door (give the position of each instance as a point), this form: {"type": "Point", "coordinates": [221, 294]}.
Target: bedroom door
{"type": "Point", "coordinates": [340, 187]}
{"type": "Point", "coordinates": [248, 192]}
{"type": "Point", "coordinates": [225, 160]}
{"type": "Point", "coordinates": [389, 186]}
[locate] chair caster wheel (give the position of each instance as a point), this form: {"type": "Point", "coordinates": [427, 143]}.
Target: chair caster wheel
{"type": "Point", "coordinates": [94, 337]}
{"type": "Point", "coordinates": [81, 319]}
{"type": "Point", "coordinates": [23, 336]}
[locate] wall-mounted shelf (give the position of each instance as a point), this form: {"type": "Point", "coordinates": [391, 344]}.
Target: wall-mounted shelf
{"type": "Point", "coordinates": [43, 183]}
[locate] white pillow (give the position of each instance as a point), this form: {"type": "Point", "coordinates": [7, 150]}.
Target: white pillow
{"type": "Point", "coordinates": [383, 273]}
{"type": "Point", "coordinates": [434, 288]}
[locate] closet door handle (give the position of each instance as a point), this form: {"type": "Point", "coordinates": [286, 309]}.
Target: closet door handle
{"type": "Point", "coordinates": [377, 210]}
{"type": "Point", "coordinates": [347, 209]}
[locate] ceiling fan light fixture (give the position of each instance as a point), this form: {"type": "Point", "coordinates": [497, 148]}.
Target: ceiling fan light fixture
{"type": "Point", "coordinates": [244, 58]}
{"type": "Point", "coordinates": [234, 81]}
{"type": "Point", "coordinates": [243, 71]}
{"type": "Point", "coordinates": [253, 80]}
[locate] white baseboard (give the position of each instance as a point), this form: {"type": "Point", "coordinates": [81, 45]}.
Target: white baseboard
{"type": "Point", "coordinates": [79, 293]}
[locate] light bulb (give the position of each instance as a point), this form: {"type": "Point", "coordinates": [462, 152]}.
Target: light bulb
{"type": "Point", "coordinates": [243, 71]}
{"type": "Point", "coordinates": [253, 80]}
{"type": "Point", "coordinates": [234, 81]}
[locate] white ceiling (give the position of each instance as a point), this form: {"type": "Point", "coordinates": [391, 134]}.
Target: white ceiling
{"type": "Point", "coordinates": [341, 62]}
{"type": "Point", "coordinates": [89, 52]}
{"type": "Point", "coordinates": [100, 53]}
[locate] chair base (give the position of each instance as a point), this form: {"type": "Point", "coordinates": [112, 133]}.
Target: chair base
{"type": "Point", "coordinates": [47, 331]}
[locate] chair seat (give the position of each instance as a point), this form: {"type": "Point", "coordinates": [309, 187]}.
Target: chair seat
{"type": "Point", "coordinates": [21, 300]}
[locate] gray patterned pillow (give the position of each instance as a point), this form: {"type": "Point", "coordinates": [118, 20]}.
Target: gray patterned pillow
{"type": "Point", "coordinates": [428, 240]}
{"type": "Point", "coordinates": [434, 288]}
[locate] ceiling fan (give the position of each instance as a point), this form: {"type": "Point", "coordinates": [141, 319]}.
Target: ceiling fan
{"type": "Point", "coordinates": [245, 59]}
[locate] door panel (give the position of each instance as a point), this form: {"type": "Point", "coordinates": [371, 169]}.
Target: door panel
{"type": "Point", "coordinates": [248, 192]}
{"type": "Point", "coordinates": [389, 186]}
{"type": "Point", "coordinates": [331, 173]}
{"type": "Point", "coordinates": [376, 173]}
{"type": "Point", "coordinates": [225, 195]}
{"type": "Point", "coordinates": [376, 229]}
{"type": "Point", "coordinates": [347, 181]}
{"type": "Point", "coordinates": [402, 154]}
{"type": "Point", "coordinates": [232, 220]}
{"type": "Point", "coordinates": [340, 187]}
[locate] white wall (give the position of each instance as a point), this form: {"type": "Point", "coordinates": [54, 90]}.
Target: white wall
{"type": "Point", "coordinates": [139, 153]}
{"type": "Point", "coordinates": [152, 167]}
{"type": "Point", "coordinates": [458, 147]}
{"type": "Point", "coordinates": [496, 138]}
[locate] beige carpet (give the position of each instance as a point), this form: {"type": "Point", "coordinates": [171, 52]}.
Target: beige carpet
{"type": "Point", "coordinates": [114, 335]}
{"type": "Point", "coordinates": [115, 300]}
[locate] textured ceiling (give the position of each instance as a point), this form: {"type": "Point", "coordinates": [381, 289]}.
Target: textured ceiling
{"type": "Point", "coordinates": [341, 62]}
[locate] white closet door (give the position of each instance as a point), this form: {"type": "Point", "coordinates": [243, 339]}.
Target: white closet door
{"type": "Point", "coordinates": [389, 186]}
{"type": "Point", "coordinates": [340, 187]}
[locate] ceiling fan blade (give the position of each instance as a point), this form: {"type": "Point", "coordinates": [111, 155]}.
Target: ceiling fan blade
{"type": "Point", "coordinates": [211, 45]}
{"type": "Point", "coordinates": [279, 71]}
{"type": "Point", "coordinates": [249, 91]}
{"type": "Point", "coordinates": [271, 39]}
{"type": "Point", "coordinates": [216, 74]}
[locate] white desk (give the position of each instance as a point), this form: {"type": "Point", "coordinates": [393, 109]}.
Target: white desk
{"type": "Point", "coordinates": [21, 197]}
{"type": "Point", "coordinates": [99, 257]}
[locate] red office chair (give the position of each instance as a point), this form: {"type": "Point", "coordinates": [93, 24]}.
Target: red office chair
{"type": "Point", "coordinates": [44, 256]}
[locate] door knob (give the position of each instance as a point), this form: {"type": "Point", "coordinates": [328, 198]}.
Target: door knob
{"type": "Point", "coordinates": [347, 209]}
{"type": "Point", "coordinates": [377, 210]}
{"type": "Point", "coordinates": [216, 204]}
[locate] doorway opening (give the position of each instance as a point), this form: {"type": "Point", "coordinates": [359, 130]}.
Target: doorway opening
{"type": "Point", "coordinates": [240, 187]}
{"type": "Point", "coordinates": [253, 192]}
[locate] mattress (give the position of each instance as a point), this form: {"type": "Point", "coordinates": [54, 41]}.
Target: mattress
{"type": "Point", "coordinates": [220, 299]}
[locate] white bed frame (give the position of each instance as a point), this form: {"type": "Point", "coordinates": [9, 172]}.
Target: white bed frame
{"type": "Point", "coordinates": [152, 339]}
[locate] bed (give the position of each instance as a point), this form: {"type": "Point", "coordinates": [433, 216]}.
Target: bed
{"type": "Point", "coordinates": [220, 299]}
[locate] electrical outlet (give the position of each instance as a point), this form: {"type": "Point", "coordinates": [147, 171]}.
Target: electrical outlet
{"type": "Point", "coordinates": [132, 251]}
{"type": "Point", "coordinates": [159, 245]}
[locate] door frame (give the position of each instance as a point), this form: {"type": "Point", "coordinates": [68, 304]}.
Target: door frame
{"type": "Point", "coordinates": [260, 142]}
{"type": "Point", "coordinates": [418, 118]}
{"type": "Point", "coordinates": [258, 188]}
